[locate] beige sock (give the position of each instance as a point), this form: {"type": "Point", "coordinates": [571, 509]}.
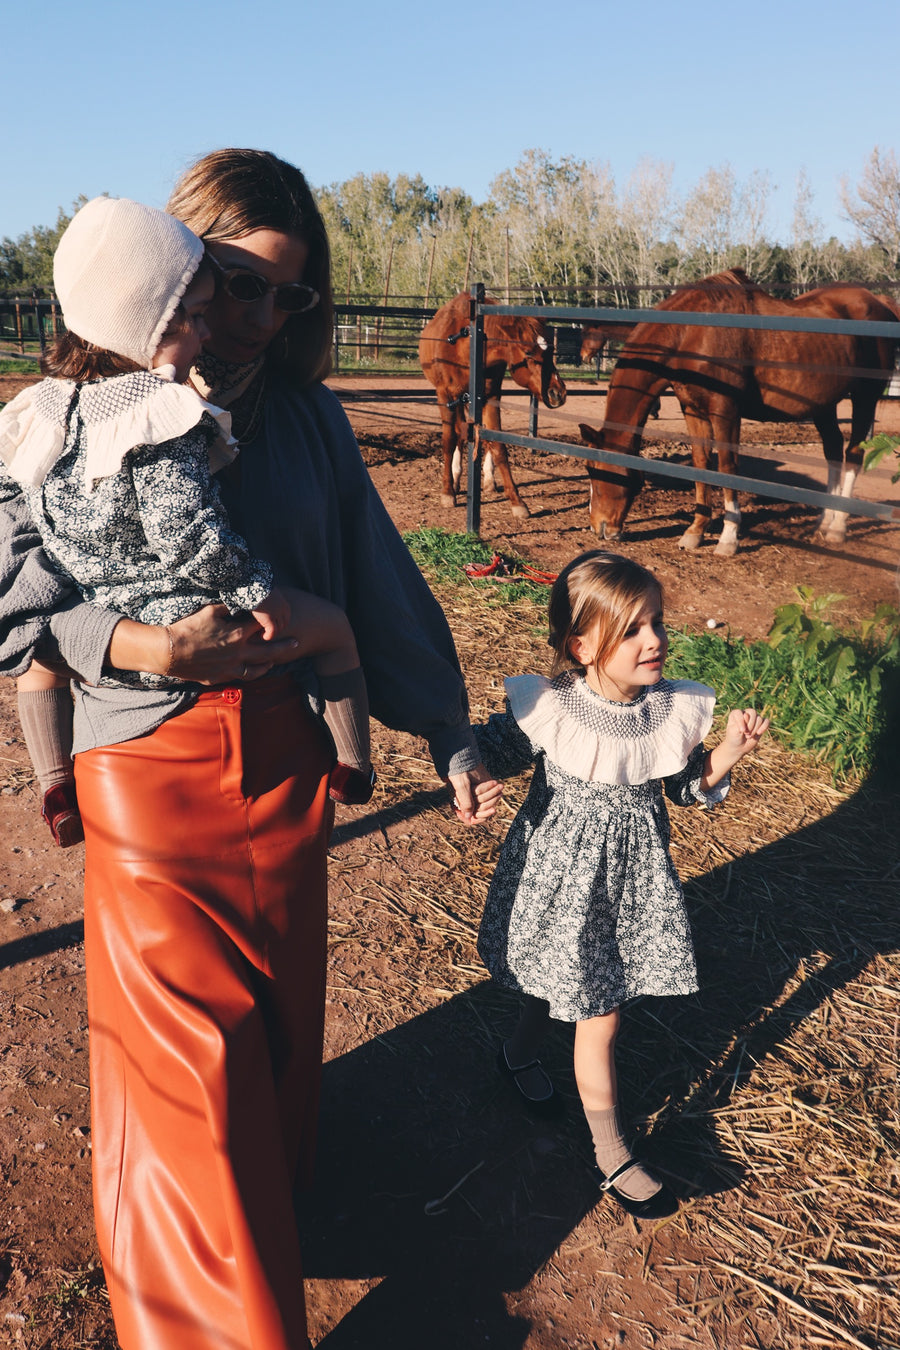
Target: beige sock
{"type": "Point", "coordinates": [46, 718]}
{"type": "Point", "coordinates": [611, 1151]}
{"type": "Point", "coordinates": [347, 715]}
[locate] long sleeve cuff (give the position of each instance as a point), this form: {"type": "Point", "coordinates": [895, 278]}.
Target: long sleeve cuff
{"type": "Point", "coordinates": [454, 750]}
{"type": "Point", "coordinates": [80, 637]}
{"type": "Point", "coordinates": [254, 590]}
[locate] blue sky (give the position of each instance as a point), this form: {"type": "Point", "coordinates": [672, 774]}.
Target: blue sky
{"type": "Point", "coordinates": [105, 96]}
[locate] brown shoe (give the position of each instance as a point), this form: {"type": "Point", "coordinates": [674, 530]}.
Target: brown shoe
{"type": "Point", "coordinates": [60, 810]}
{"type": "Point", "coordinates": [351, 787]}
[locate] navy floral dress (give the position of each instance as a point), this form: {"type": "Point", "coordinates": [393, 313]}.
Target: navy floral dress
{"type": "Point", "coordinates": [585, 908]}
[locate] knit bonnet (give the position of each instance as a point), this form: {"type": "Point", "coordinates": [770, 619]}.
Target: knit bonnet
{"type": "Point", "coordinates": [120, 271]}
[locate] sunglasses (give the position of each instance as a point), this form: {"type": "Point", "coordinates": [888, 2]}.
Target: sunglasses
{"type": "Point", "coordinates": [247, 287]}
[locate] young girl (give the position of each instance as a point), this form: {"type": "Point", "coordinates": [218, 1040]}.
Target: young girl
{"type": "Point", "coordinates": [115, 452]}
{"type": "Point", "coordinates": [585, 909]}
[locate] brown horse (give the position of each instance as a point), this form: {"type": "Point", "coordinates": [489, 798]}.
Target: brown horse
{"type": "Point", "coordinates": [595, 336]}
{"type": "Point", "coordinates": [720, 375]}
{"type": "Point", "coordinates": [517, 344]}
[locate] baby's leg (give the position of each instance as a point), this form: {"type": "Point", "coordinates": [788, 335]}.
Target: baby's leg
{"type": "Point", "coordinates": [595, 1074]}
{"type": "Point", "coordinates": [45, 712]}
{"type": "Point", "coordinates": [347, 715]}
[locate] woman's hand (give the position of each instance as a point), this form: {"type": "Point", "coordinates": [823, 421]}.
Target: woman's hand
{"type": "Point", "coordinates": [209, 647]}
{"type": "Point", "coordinates": [476, 795]}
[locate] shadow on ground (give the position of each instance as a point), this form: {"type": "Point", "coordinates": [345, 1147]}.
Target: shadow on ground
{"type": "Point", "coordinates": [433, 1181]}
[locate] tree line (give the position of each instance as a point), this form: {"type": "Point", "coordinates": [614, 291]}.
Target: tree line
{"type": "Point", "coordinates": [563, 230]}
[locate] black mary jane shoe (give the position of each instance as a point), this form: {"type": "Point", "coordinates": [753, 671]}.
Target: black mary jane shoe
{"type": "Point", "coordinates": [657, 1206]}
{"type": "Point", "coordinates": [549, 1103]}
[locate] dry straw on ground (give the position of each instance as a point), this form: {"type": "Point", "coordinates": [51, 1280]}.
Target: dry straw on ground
{"type": "Point", "coordinates": [781, 1074]}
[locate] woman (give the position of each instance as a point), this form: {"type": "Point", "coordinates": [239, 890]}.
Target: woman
{"type": "Point", "coordinates": [207, 813]}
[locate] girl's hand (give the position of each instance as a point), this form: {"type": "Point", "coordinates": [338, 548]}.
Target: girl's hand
{"type": "Point", "coordinates": [744, 731]}
{"type": "Point", "coordinates": [475, 795]}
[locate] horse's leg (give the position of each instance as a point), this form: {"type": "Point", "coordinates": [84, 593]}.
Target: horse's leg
{"type": "Point", "coordinates": [700, 433]}
{"type": "Point", "coordinates": [726, 429]}
{"type": "Point", "coordinates": [449, 456]}
{"type": "Point", "coordinates": [842, 475]}
{"type": "Point", "coordinates": [488, 481]}
{"type": "Point", "coordinates": [500, 456]}
{"type": "Point", "coordinates": [460, 445]}
{"type": "Point", "coordinates": [828, 427]}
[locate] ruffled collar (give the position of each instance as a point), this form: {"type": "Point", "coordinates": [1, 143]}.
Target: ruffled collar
{"type": "Point", "coordinates": [119, 414]}
{"type": "Point", "coordinates": [600, 741]}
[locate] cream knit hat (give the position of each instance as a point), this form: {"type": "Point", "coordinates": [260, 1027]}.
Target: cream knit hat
{"type": "Point", "coordinates": [120, 271]}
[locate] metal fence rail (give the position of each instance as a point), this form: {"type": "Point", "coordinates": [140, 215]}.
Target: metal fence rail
{"type": "Point", "coordinates": [478, 432]}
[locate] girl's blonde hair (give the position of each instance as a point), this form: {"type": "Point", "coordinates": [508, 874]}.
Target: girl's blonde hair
{"type": "Point", "coordinates": [600, 592]}
{"type": "Point", "coordinates": [231, 193]}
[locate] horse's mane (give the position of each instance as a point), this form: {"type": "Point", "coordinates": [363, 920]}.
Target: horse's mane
{"type": "Point", "coordinates": [731, 292]}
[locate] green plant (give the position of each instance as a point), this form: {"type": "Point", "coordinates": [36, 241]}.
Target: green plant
{"type": "Point", "coordinates": [878, 447]}
{"type": "Point", "coordinates": [444, 557]}
{"type": "Point", "coordinates": [22, 365]}
{"type": "Point", "coordinates": [829, 691]}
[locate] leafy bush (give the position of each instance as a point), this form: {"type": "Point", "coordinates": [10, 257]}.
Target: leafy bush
{"type": "Point", "coordinates": [878, 447]}
{"type": "Point", "coordinates": [831, 693]}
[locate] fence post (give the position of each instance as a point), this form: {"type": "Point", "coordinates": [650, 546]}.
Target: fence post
{"type": "Point", "coordinates": [476, 402]}
{"type": "Point", "coordinates": [533, 415]}
{"type": "Point", "coordinates": [20, 336]}
{"type": "Point", "coordinates": [39, 320]}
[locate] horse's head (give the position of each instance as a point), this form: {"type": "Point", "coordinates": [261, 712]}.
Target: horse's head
{"type": "Point", "coordinates": [533, 367]}
{"type": "Point", "coordinates": [593, 340]}
{"type": "Point", "coordinates": [612, 489]}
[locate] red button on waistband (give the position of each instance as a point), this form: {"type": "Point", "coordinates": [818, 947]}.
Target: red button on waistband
{"type": "Point", "coordinates": [231, 695]}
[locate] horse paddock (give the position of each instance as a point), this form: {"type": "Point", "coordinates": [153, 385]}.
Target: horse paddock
{"type": "Point", "coordinates": [442, 1217]}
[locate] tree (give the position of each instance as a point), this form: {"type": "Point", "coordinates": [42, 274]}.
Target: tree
{"type": "Point", "coordinates": [26, 263]}
{"type": "Point", "coordinates": [805, 249]}
{"type": "Point", "coordinates": [875, 207]}
{"type": "Point", "coordinates": [722, 225]}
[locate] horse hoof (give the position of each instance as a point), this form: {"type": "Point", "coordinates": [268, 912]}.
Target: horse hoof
{"type": "Point", "coordinates": [521, 511]}
{"type": "Point", "coordinates": [690, 541]}
{"type": "Point", "coordinates": [447, 501]}
{"type": "Point", "coordinates": [726, 548]}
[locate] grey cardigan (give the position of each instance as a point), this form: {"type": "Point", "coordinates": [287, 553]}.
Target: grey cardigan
{"type": "Point", "coordinates": [304, 503]}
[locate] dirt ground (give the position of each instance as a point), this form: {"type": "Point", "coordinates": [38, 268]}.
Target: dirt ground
{"type": "Point", "coordinates": [441, 1217]}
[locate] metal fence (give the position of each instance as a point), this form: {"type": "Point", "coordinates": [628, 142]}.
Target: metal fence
{"type": "Point", "coordinates": [782, 492]}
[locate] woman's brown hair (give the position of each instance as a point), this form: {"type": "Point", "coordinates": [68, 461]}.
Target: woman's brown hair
{"type": "Point", "coordinates": [231, 193]}
{"type": "Point", "coordinates": [597, 590]}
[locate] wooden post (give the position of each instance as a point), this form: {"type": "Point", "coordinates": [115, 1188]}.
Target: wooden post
{"type": "Point", "coordinates": [358, 339]}
{"type": "Point", "coordinates": [430, 270]}
{"type": "Point", "coordinates": [20, 336]}
{"type": "Point", "coordinates": [507, 264]}
{"type": "Point", "coordinates": [469, 258]}
{"type": "Point", "coordinates": [387, 290]}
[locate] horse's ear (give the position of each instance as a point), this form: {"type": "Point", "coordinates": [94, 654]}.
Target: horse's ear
{"type": "Point", "coordinates": [590, 434]}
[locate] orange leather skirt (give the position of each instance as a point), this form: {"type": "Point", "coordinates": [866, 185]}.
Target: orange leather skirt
{"type": "Point", "coordinates": [205, 932]}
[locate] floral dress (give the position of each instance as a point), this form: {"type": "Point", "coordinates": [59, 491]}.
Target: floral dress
{"type": "Point", "coordinates": [585, 908]}
{"type": "Point", "coordinates": [117, 475]}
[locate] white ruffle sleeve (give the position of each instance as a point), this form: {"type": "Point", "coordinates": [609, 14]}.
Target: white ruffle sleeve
{"type": "Point", "coordinates": [119, 414]}
{"type": "Point", "coordinates": [601, 741]}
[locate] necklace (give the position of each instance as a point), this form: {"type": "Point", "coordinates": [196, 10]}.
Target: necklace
{"type": "Point", "coordinates": [247, 410]}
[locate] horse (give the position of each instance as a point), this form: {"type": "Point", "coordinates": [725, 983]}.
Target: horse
{"type": "Point", "coordinates": [595, 336]}
{"type": "Point", "coordinates": [515, 343]}
{"type": "Point", "coordinates": [720, 375]}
